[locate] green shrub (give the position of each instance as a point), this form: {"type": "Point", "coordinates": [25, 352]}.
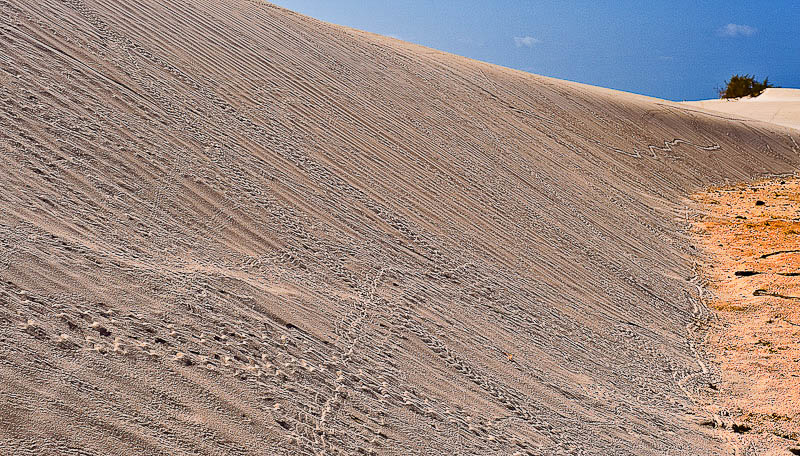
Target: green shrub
{"type": "Point", "coordinates": [742, 86]}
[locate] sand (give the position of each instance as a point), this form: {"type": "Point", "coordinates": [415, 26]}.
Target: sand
{"type": "Point", "coordinates": [750, 232]}
{"type": "Point", "coordinates": [777, 105]}
{"type": "Point", "coordinates": [226, 228]}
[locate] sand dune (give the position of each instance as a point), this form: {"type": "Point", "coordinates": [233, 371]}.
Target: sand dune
{"type": "Point", "coordinates": [779, 106]}
{"type": "Point", "coordinates": [226, 228]}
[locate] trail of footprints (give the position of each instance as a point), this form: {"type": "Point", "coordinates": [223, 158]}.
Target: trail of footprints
{"type": "Point", "coordinates": [106, 333]}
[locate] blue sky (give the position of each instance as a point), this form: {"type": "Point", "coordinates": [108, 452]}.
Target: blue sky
{"type": "Point", "coordinates": [678, 50]}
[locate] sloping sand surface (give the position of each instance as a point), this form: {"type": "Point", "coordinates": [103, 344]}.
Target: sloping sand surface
{"type": "Point", "coordinates": [777, 105]}
{"type": "Point", "coordinates": [226, 228]}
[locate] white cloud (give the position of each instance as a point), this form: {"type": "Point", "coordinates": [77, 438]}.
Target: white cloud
{"type": "Point", "coordinates": [527, 41]}
{"type": "Point", "coordinates": [732, 30]}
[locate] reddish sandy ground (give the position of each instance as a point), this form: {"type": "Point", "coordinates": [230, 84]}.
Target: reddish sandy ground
{"type": "Point", "coordinates": [752, 235]}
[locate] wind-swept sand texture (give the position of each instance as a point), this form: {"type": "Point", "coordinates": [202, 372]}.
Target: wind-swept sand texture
{"type": "Point", "coordinates": [226, 228]}
{"type": "Point", "coordinates": [777, 105]}
{"type": "Point", "coordinates": [752, 235]}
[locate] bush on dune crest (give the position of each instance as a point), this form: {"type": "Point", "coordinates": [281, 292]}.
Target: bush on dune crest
{"type": "Point", "coordinates": [742, 86]}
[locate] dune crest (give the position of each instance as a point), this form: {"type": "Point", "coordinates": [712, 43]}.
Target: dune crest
{"type": "Point", "coordinates": [775, 105]}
